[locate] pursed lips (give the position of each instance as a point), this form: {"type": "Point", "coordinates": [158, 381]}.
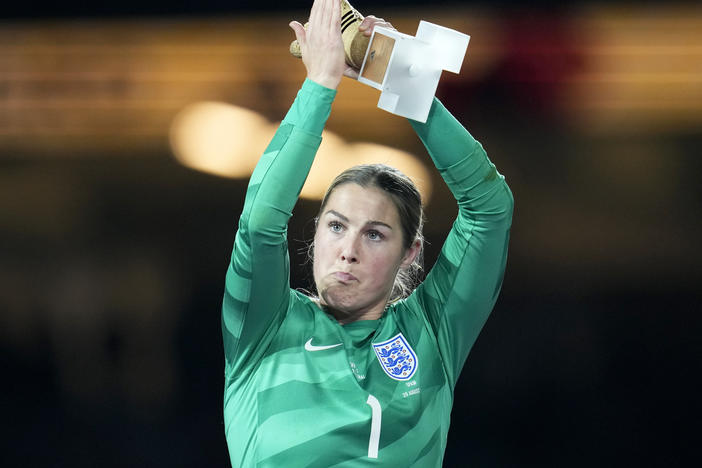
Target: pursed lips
{"type": "Point", "coordinates": [344, 277]}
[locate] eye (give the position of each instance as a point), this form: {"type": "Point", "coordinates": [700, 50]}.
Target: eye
{"type": "Point", "coordinates": [375, 235]}
{"type": "Point", "coordinates": [335, 226]}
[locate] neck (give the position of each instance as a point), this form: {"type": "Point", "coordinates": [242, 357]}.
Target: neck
{"type": "Point", "coordinates": [344, 317]}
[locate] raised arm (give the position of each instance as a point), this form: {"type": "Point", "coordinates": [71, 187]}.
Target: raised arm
{"type": "Point", "coordinates": [257, 280]}
{"type": "Point", "coordinates": [257, 283]}
{"type": "Point", "coordinates": [462, 286]}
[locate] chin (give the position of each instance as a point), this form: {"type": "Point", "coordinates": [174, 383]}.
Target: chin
{"type": "Point", "coordinates": [343, 301]}
{"type": "Point", "coordinates": [346, 299]}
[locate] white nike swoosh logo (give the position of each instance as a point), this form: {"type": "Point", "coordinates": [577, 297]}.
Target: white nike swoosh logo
{"type": "Point", "coordinates": [310, 347]}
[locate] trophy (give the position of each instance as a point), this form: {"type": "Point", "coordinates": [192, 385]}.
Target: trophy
{"type": "Point", "coordinates": [406, 69]}
{"type": "Point", "coordinates": [355, 42]}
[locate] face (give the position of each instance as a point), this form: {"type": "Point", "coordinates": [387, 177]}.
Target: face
{"type": "Point", "coordinates": [358, 250]}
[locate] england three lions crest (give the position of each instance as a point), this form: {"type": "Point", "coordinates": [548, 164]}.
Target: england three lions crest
{"type": "Point", "coordinates": [397, 358]}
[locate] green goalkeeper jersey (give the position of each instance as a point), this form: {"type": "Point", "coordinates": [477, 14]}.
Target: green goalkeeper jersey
{"type": "Point", "coordinates": [301, 390]}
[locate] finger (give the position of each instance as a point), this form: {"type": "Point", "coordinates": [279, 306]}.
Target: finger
{"type": "Point", "coordinates": [316, 11]}
{"type": "Point", "coordinates": [370, 22]}
{"type": "Point", "coordinates": [367, 21]}
{"type": "Point", "coordinates": [351, 73]}
{"type": "Point", "coordinates": [335, 14]}
{"type": "Point", "coordinates": [331, 10]}
{"type": "Point", "coordinates": [299, 31]}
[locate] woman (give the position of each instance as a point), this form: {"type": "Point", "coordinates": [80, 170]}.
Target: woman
{"type": "Point", "coordinates": [355, 377]}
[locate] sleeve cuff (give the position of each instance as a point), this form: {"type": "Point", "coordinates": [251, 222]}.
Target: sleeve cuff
{"type": "Point", "coordinates": [314, 87]}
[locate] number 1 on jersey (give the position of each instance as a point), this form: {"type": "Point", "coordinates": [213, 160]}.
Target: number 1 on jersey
{"type": "Point", "coordinates": [376, 417]}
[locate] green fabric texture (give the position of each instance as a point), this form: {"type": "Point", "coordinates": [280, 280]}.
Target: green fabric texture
{"type": "Point", "coordinates": [334, 402]}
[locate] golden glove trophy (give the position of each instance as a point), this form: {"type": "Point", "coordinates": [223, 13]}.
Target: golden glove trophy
{"type": "Point", "coordinates": [404, 68]}
{"type": "Point", "coordinates": [355, 43]}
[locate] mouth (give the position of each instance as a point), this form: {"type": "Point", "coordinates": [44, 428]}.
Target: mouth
{"type": "Point", "coordinates": [344, 277]}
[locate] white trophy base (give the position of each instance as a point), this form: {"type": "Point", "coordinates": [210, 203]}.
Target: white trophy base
{"type": "Point", "coordinates": [407, 69]}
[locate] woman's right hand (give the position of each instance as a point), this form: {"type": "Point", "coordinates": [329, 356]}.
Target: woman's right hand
{"type": "Point", "coordinates": [321, 45]}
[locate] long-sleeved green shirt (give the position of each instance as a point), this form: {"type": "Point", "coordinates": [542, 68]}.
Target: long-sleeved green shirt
{"type": "Point", "coordinates": [303, 390]}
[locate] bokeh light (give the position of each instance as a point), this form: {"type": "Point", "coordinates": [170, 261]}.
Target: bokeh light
{"type": "Point", "coordinates": [227, 140]}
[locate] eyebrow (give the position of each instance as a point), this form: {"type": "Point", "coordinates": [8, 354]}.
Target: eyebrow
{"type": "Point", "coordinates": [368, 223]}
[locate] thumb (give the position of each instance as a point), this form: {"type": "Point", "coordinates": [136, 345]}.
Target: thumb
{"type": "Point", "coordinates": [299, 31]}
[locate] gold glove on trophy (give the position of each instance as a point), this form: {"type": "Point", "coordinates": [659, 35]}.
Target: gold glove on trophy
{"type": "Point", "coordinates": [355, 42]}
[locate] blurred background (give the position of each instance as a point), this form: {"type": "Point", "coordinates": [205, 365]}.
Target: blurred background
{"type": "Point", "coordinates": [128, 132]}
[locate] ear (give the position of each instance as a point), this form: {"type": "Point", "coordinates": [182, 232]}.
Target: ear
{"type": "Point", "coordinates": [411, 253]}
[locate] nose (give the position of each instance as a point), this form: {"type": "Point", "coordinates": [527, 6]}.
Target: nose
{"type": "Point", "coordinates": [349, 251]}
